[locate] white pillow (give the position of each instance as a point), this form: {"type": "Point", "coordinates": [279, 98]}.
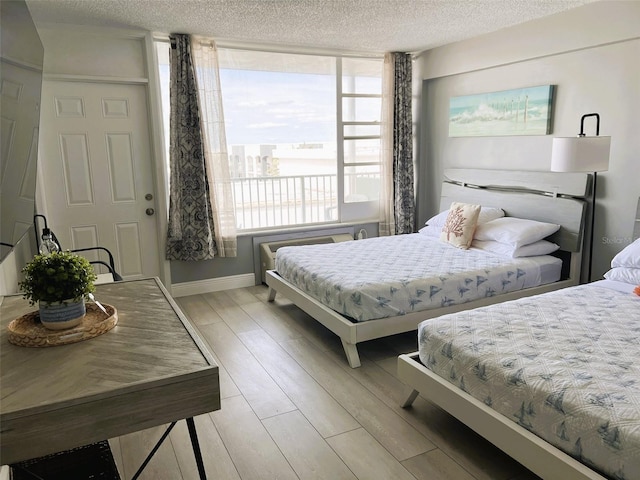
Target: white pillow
{"type": "Point", "coordinates": [431, 231]}
{"type": "Point", "coordinates": [628, 257]}
{"type": "Point", "coordinates": [624, 274]}
{"type": "Point", "coordinates": [486, 215]}
{"type": "Point", "coordinates": [541, 247]}
{"type": "Point", "coordinates": [515, 231]}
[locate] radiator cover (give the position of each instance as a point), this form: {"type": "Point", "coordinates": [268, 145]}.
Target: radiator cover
{"type": "Point", "coordinates": [268, 249]}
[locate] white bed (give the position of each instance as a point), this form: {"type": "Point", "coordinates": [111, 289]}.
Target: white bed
{"type": "Point", "coordinates": [391, 276]}
{"type": "Point", "coordinates": [542, 196]}
{"type": "Point", "coordinates": [553, 380]}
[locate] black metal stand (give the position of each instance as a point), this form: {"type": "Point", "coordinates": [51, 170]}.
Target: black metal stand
{"type": "Point", "coordinates": [593, 223]}
{"type": "Point", "coordinates": [194, 444]}
{"type": "Point", "coordinates": [196, 447]}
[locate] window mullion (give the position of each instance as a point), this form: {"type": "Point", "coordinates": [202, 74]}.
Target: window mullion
{"type": "Point", "coordinates": [339, 137]}
{"type": "Point", "coordinates": [361, 137]}
{"type": "Point", "coordinates": [362, 95]}
{"type": "Point", "coordinates": [360, 164]}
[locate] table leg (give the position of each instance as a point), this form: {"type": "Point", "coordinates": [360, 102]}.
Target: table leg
{"type": "Point", "coordinates": [196, 448]}
{"type": "Point", "coordinates": [153, 451]}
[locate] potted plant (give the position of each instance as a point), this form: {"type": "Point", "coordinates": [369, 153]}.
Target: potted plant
{"type": "Point", "coordinates": [59, 282]}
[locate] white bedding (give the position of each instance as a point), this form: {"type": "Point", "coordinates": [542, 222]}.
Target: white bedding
{"type": "Point", "coordinates": [563, 365]}
{"type": "Point", "coordinates": [391, 276]}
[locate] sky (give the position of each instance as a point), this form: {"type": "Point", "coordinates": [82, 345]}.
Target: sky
{"type": "Point", "coordinates": [263, 107]}
{"type": "Point", "coordinates": [291, 108]}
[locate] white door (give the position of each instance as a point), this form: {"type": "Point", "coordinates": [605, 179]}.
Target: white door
{"type": "Point", "coordinates": [20, 108]}
{"type": "Point", "coordinates": [96, 172]}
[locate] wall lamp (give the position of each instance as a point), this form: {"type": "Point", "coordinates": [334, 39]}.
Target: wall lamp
{"type": "Point", "coordinates": [583, 154]}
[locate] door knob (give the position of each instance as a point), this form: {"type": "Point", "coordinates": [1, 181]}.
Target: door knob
{"type": "Point", "coordinates": [149, 211]}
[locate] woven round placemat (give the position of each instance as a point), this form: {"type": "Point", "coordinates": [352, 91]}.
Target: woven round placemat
{"type": "Point", "coordinates": [27, 331]}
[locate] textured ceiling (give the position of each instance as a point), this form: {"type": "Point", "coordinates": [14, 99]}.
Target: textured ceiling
{"type": "Point", "coordinates": [343, 25]}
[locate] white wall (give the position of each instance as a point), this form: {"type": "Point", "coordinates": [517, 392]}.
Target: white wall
{"type": "Point", "coordinates": [82, 51]}
{"type": "Point", "coordinates": [591, 54]}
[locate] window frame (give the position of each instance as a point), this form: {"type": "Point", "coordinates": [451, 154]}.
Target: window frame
{"type": "Point", "coordinates": [347, 212]}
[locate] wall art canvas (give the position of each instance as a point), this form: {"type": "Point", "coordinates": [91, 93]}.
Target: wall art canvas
{"type": "Point", "coordinates": [521, 111]}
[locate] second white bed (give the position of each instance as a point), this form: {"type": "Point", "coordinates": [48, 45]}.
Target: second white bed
{"type": "Point", "coordinates": [561, 365]}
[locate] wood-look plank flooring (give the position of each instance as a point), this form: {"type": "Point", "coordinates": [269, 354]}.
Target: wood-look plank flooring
{"type": "Point", "coordinates": [293, 409]}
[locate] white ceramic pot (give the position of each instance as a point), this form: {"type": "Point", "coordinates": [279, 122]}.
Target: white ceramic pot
{"type": "Point", "coordinates": [62, 315]}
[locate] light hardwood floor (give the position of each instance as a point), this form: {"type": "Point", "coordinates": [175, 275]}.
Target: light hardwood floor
{"type": "Point", "coordinates": [293, 409]}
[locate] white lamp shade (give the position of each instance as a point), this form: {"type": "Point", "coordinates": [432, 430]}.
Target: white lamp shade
{"type": "Point", "coordinates": [580, 154]}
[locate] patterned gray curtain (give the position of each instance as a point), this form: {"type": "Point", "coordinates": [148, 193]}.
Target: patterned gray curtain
{"type": "Point", "coordinates": [404, 198]}
{"type": "Point", "coordinates": [190, 233]}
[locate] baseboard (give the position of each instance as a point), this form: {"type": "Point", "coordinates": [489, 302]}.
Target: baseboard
{"type": "Point", "coordinates": [213, 285]}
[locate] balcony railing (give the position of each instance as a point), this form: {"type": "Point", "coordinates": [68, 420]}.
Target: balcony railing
{"type": "Point", "coordinates": [263, 202]}
{"type": "Point", "coordinates": [267, 202]}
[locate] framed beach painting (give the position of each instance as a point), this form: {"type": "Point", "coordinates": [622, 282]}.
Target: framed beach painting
{"type": "Point", "coordinates": [521, 111]}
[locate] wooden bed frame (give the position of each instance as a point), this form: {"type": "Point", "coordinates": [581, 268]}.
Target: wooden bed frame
{"type": "Point", "coordinates": [540, 457]}
{"type": "Point", "coordinates": [543, 196]}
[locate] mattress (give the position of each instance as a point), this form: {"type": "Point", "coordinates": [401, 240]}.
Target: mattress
{"type": "Point", "coordinates": [392, 276]}
{"type": "Point", "coordinates": [563, 365]}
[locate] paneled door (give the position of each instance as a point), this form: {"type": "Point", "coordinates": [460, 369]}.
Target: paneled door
{"type": "Point", "coordinates": [96, 171]}
{"type": "Point", "coordinates": [19, 112]}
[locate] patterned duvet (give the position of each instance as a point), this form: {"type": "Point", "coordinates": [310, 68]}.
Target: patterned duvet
{"type": "Point", "coordinates": [564, 365]}
{"type": "Point", "coordinates": [391, 276]}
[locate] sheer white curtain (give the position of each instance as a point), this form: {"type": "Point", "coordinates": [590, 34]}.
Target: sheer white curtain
{"type": "Point", "coordinates": [205, 60]}
{"type": "Point", "coordinates": [387, 218]}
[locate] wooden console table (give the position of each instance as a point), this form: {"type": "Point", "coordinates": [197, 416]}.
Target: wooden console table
{"type": "Point", "coordinates": [151, 369]}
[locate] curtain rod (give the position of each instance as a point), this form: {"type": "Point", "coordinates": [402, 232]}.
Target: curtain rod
{"type": "Point", "coordinates": [271, 48]}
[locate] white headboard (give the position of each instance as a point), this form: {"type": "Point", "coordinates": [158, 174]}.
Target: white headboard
{"type": "Point", "coordinates": [544, 196]}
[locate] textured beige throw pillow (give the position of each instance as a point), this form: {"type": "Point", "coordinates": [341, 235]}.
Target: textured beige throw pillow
{"type": "Point", "coordinates": [460, 224]}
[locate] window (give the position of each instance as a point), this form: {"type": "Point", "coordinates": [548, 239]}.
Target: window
{"type": "Point", "coordinates": [303, 135]}
{"type": "Point", "coordinates": [361, 101]}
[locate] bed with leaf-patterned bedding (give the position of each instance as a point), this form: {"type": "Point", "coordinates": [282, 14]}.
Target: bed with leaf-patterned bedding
{"type": "Point", "coordinates": [406, 273]}
{"type": "Point", "coordinates": [544, 200]}
{"type": "Point", "coordinates": [563, 365]}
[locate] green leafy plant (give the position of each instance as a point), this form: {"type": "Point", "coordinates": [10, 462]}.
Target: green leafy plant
{"type": "Point", "coordinates": [56, 277]}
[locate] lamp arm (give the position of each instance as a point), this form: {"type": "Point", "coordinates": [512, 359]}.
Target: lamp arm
{"type": "Point", "coordinates": [581, 134]}
{"type": "Point", "coordinates": [35, 225]}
